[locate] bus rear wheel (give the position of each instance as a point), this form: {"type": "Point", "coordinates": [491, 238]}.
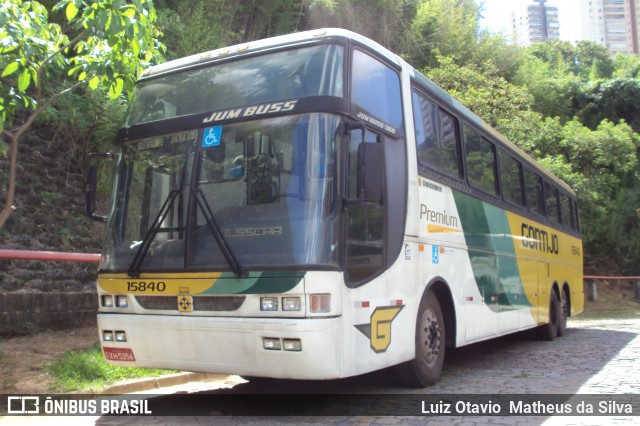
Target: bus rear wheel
{"type": "Point", "coordinates": [564, 313]}
{"type": "Point", "coordinates": [425, 368]}
{"type": "Point", "coordinates": [549, 331]}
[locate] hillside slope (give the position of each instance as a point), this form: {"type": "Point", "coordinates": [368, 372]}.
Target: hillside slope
{"type": "Point", "coordinates": [48, 216]}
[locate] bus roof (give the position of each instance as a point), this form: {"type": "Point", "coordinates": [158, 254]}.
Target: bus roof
{"type": "Point", "coordinates": [328, 33]}
{"type": "Point", "coordinates": [265, 44]}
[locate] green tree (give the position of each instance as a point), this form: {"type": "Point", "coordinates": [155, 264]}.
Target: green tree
{"type": "Point", "coordinates": [586, 59]}
{"type": "Point", "coordinates": [494, 51]}
{"type": "Point", "coordinates": [553, 86]}
{"type": "Point", "coordinates": [592, 60]}
{"type": "Point", "coordinates": [562, 77]}
{"type": "Point", "coordinates": [600, 165]}
{"type": "Point", "coordinates": [613, 100]}
{"type": "Point", "coordinates": [191, 27]}
{"type": "Point", "coordinates": [449, 27]}
{"type": "Point", "coordinates": [385, 21]}
{"type": "Point", "coordinates": [486, 93]}
{"type": "Point", "coordinates": [626, 66]}
{"type": "Point", "coordinates": [103, 45]}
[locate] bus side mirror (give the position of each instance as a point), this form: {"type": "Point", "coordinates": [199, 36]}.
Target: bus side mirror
{"type": "Point", "coordinates": [370, 172]}
{"type": "Point", "coordinates": [91, 188]}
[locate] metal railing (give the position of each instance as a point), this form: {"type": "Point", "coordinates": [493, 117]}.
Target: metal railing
{"type": "Point", "coordinates": [52, 256]}
{"type": "Point", "coordinates": [592, 289]}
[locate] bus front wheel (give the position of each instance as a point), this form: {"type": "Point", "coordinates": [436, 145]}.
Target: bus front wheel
{"type": "Point", "coordinates": [425, 369]}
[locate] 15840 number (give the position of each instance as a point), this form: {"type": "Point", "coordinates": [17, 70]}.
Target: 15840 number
{"type": "Point", "coordinates": [146, 286]}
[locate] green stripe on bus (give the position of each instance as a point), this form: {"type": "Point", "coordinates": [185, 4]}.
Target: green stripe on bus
{"type": "Point", "coordinates": [256, 283]}
{"type": "Point", "coordinates": [491, 253]}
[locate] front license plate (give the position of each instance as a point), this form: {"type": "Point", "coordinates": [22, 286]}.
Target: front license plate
{"type": "Point", "coordinates": [118, 354]}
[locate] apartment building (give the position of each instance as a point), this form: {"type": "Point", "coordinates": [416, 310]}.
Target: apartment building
{"type": "Point", "coordinates": [612, 23]}
{"type": "Point", "coordinates": [534, 22]}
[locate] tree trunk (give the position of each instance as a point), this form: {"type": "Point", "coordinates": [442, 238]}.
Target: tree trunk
{"type": "Point", "coordinates": [11, 186]}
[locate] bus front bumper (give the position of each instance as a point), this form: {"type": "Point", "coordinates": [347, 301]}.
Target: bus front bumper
{"type": "Point", "coordinates": [261, 347]}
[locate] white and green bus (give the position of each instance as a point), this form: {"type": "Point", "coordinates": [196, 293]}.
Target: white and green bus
{"type": "Point", "coordinates": [311, 207]}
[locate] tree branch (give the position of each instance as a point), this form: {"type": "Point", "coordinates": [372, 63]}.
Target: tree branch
{"type": "Point", "coordinates": [73, 41]}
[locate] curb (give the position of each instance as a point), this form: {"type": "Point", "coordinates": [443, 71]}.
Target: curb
{"type": "Point", "coordinates": [140, 385]}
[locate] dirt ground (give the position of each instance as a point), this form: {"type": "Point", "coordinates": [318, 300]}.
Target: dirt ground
{"type": "Point", "coordinates": [23, 359]}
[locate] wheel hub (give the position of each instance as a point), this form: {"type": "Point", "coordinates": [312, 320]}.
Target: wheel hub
{"type": "Point", "coordinates": [430, 337]}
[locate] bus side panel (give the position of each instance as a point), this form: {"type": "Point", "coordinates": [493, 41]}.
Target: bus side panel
{"type": "Point", "coordinates": [379, 318]}
{"type": "Point", "coordinates": [455, 237]}
{"type": "Point", "coordinates": [496, 272]}
{"type": "Point", "coordinates": [558, 256]}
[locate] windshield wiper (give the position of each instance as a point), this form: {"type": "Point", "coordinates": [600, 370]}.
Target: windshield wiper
{"type": "Point", "coordinates": [136, 264]}
{"type": "Point", "coordinates": [231, 258]}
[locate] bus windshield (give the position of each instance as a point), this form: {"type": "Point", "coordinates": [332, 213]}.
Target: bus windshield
{"type": "Point", "coordinates": [290, 74]}
{"type": "Point", "coordinates": [269, 185]}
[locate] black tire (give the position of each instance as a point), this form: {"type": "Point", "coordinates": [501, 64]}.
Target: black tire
{"type": "Point", "coordinates": [549, 331]}
{"type": "Point", "coordinates": [426, 367]}
{"type": "Point", "coordinates": [564, 314]}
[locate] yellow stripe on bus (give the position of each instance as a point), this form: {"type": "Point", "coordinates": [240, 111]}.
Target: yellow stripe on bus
{"type": "Point", "coordinates": [158, 283]}
{"type": "Point", "coordinates": [436, 228]}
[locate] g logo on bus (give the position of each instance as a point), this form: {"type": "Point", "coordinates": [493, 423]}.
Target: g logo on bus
{"type": "Point", "coordinates": [379, 329]}
{"type": "Point", "coordinates": [185, 303]}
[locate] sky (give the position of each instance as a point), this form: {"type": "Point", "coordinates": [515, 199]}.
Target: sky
{"type": "Point", "coordinates": [497, 16]}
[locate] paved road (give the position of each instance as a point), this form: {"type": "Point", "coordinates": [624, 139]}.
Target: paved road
{"type": "Point", "coordinates": [596, 357]}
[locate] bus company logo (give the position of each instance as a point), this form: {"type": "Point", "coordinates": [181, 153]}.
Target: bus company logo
{"type": "Point", "coordinates": [250, 111]}
{"type": "Point", "coordinates": [185, 303]}
{"type": "Point", "coordinates": [23, 405]}
{"type": "Point", "coordinates": [379, 329]}
{"type": "Point", "coordinates": [539, 239]}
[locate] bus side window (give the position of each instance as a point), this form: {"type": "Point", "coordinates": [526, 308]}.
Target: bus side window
{"type": "Point", "coordinates": [376, 88]}
{"type": "Point", "coordinates": [511, 179]}
{"type": "Point", "coordinates": [566, 215]}
{"type": "Point", "coordinates": [480, 156]}
{"type": "Point", "coordinates": [551, 202]}
{"type": "Point", "coordinates": [535, 199]}
{"type": "Point", "coordinates": [437, 138]}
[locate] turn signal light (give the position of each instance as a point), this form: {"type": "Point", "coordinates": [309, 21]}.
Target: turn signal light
{"type": "Point", "coordinates": [320, 303]}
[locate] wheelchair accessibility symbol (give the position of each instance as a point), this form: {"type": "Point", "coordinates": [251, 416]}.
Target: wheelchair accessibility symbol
{"type": "Point", "coordinates": [435, 255]}
{"type": "Point", "coordinates": [211, 136]}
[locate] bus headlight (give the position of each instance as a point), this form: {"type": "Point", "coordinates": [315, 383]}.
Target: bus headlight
{"type": "Point", "coordinates": [291, 304]}
{"type": "Point", "coordinates": [122, 302]}
{"type": "Point", "coordinates": [120, 336]}
{"type": "Point", "coordinates": [271, 343]}
{"type": "Point", "coordinates": [268, 303]}
{"type": "Point", "coordinates": [292, 345]}
{"type": "Point", "coordinates": [106, 301]}
{"type": "Point", "coordinates": [107, 336]}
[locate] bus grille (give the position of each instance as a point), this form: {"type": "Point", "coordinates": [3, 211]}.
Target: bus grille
{"type": "Point", "coordinates": [200, 303]}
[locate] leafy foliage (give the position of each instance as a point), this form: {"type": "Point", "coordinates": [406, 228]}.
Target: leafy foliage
{"type": "Point", "coordinates": [449, 27]}
{"type": "Point", "coordinates": [101, 44]}
{"type": "Point", "coordinates": [617, 99]}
